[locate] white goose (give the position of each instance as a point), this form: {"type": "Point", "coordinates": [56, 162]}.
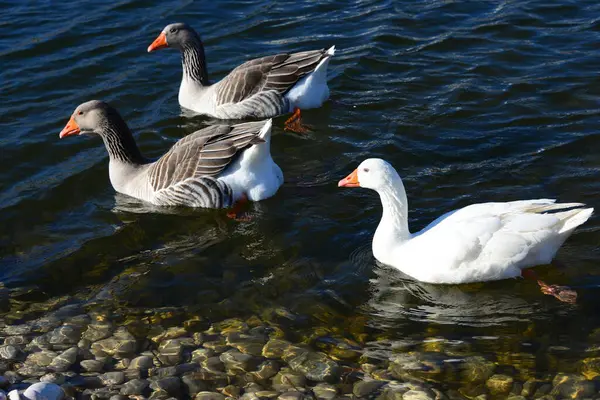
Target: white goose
{"type": "Point", "coordinates": [480, 242]}
{"type": "Point", "coordinates": [214, 167]}
{"type": "Point", "coordinates": [261, 88]}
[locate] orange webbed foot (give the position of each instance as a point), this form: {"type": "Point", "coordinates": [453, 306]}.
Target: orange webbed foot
{"type": "Point", "coordinates": [237, 211]}
{"type": "Point", "coordinates": [294, 123]}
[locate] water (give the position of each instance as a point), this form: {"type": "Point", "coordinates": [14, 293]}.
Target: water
{"type": "Point", "coordinates": [470, 101]}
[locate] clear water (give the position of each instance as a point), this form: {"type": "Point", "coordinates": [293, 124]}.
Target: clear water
{"type": "Point", "coordinates": [470, 101]}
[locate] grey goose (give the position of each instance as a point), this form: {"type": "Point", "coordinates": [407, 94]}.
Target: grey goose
{"type": "Point", "coordinates": [214, 167]}
{"type": "Point", "coordinates": [261, 88]}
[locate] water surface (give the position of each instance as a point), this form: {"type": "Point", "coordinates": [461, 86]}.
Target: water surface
{"type": "Point", "coordinates": [470, 101]}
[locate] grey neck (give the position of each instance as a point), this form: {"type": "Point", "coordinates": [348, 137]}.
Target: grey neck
{"type": "Point", "coordinates": [120, 143]}
{"type": "Point", "coordinates": [194, 62]}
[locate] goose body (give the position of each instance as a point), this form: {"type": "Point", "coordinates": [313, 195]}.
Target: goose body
{"type": "Point", "coordinates": [213, 167]}
{"type": "Point", "coordinates": [480, 242]}
{"type": "Point", "coordinates": [260, 88]}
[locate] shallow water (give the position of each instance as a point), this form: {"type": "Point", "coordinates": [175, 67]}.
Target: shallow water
{"type": "Point", "coordinates": [471, 102]}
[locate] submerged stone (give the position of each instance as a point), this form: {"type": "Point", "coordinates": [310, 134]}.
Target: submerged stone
{"type": "Point", "coordinates": [500, 384]}
{"type": "Point", "coordinates": [315, 366]}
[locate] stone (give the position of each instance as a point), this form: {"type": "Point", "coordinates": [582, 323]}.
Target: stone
{"type": "Point", "coordinates": [64, 336]}
{"type": "Point", "coordinates": [275, 348]}
{"type": "Point", "coordinates": [267, 394]}
{"type": "Point", "coordinates": [367, 388]}
{"type": "Point", "coordinates": [590, 367]}
{"type": "Point", "coordinates": [112, 378]}
{"type": "Point", "coordinates": [325, 391]}
{"type": "Point", "coordinates": [237, 362]}
{"type": "Point", "coordinates": [315, 366]}
{"type": "Point", "coordinates": [64, 360]}
{"type": "Point", "coordinates": [119, 397]}
{"type": "Point", "coordinates": [422, 366]}
{"type": "Point", "coordinates": [209, 396]}
{"type": "Point", "coordinates": [249, 344]}
{"type": "Point", "coordinates": [170, 352]}
{"type": "Point", "coordinates": [118, 347]}
{"type": "Point", "coordinates": [4, 382]}
{"type": "Point", "coordinates": [213, 364]}
{"type": "Point", "coordinates": [12, 330]}
{"type": "Point", "coordinates": [288, 379]}
{"type": "Point", "coordinates": [171, 333]}
{"type": "Point", "coordinates": [231, 391]}
{"type": "Point", "coordinates": [171, 385]}
{"type": "Point", "coordinates": [417, 394]}
{"type": "Point", "coordinates": [500, 384]}
{"type": "Point", "coordinates": [44, 391]}
{"type": "Point", "coordinates": [266, 370]}
{"type": "Point", "coordinates": [136, 387]}
{"type": "Point", "coordinates": [201, 354]}
{"type": "Point", "coordinates": [98, 331]}
{"type": "Point", "coordinates": [142, 363]}
{"type": "Point", "coordinates": [41, 358]}
{"type": "Point", "coordinates": [477, 369]}
{"type": "Point", "coordinates": [291, 396]}
{"type": "Point", "coordinates": [193, 384]}
{"type": "Point", "coordinates": [92, 365]}
{"type": "Point", "coordinates": [53, 377]}
{"type": "Point", "coordinates": [19, 340]}
{"type": "Point", "coordinates": [572, 386]}
{"type": "Point", "coordinates": [10, 353]}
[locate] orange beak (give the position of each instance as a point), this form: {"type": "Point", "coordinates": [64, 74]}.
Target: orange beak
{"type": "Point", "coordinates": [350, 181]}
{"type": "Point", "coordinates": [159, 43]}
{"type": "Point", "coordinates": [70, 129]}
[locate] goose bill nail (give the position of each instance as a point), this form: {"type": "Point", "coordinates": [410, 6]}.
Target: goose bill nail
{"type": "Point", "coordinates": [159, 43]}
{"type": "Point", "coordinates": [350, 181]}
{"type": "Point", "coordinates": [70, 129]}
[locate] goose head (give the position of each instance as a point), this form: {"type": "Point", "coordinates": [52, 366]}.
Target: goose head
{"type": "Point", "coordinates": [89, 117]}
{"type": "Point", "coordinates": [174, 35]}
{"type": "Point", "coordinates": [373, 173]}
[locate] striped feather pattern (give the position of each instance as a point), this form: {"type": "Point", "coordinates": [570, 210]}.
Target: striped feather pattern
{"type": "Point", "coordinates": [277, 73]}
{"type": "Point", "coordinates": [186, 175]}
{"type": "Point", "coordinates": [204, 191]}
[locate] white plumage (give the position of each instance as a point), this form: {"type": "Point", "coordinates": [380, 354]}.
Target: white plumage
{"type": "Point", "coordinates": [480, 242]}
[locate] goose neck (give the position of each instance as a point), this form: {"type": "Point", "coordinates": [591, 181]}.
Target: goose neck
{"type": "Point", "coordinates": [194, 62]}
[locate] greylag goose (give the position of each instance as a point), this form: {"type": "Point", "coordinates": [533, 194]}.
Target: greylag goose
{"type": "Point", "coordinates": [260, 88]}
{"type": "Point", "coordinates": [214, 167]}
{"type": "Point", "coordinates": [477, 243]}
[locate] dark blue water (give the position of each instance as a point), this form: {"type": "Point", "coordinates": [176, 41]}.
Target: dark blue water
{"type": "Point", "coordinates": [471, 101]}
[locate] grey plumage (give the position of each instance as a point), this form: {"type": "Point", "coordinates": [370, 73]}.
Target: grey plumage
{"type": "Point", "coordinates": [187, 175]}
{"type": "Point", "coordinates": [257, 88]}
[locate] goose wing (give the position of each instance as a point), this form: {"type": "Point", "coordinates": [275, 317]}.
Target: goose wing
{"type": "Point", "coordinates": [187, 173]}
{"type": "Point", "coordinates": [491, 241]}
{"type": "Point", "coordinates": [277, 73]}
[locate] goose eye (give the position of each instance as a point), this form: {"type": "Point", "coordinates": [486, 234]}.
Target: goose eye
{"type": "Point", "coordinates": [173, 30]}
{"type": "Point", "coordinates": [366, 169]}
{"type": "Point", "coordinates": [80, 113]}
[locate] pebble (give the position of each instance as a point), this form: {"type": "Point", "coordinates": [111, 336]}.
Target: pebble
{"type": "Point", "coordinates": [136, 387]}
{"type": "Point", "coordinates": [43, 391]}
{"type": "Point", "coordinates": [209, 396]}
{"type": "Point", "coordinates": [92, 365]}
{"type": "Point", "coordinates": [237, 362]}
{"type": "Point", "coordinates": [112, 378]}
{"type": "Point", "coordinates": [325, 391]}
{"type": "Point", "coordinates": [286, 379]}
{"type": "Point", "coordinates": [171, 385]}
{"type": "Point", "coordinates": [193, 384]}
{"type": "Point", "coordinates": [499, 384]}
{"type": "Point", "coordinates": [98, 331]}
{"type": "Point", "coordinates": [315, 366]}
{"type": "Point", "coordinates": [367, 388]}
{"type": "Point", "coordinates": [10, 352]}
{"type": "Point", "coordinates": [64, 360]}
{"type": "Point", "coordinates": [141, 363]}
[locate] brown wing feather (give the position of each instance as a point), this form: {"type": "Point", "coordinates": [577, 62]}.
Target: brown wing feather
{"type": "Point", "coordinates": [279, 73]}
{"type": "Point", "coordinates": [205, 153]}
